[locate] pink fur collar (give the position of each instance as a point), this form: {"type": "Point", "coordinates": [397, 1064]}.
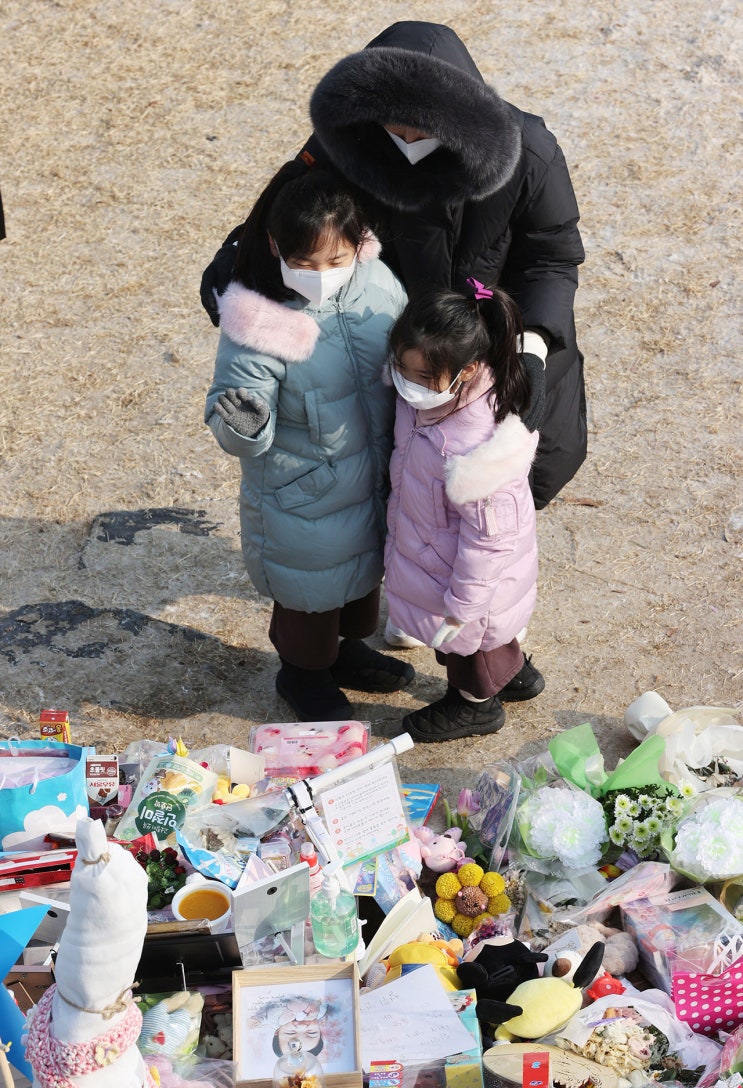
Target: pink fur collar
{"type": "Point", "coordinates": [254, 321]}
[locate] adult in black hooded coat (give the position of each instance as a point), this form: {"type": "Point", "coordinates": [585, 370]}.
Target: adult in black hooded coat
{"type": "Point", "coordinates": [494, 201]}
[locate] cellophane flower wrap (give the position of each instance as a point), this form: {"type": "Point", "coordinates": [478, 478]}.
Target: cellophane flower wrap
{"type": "Point", "coordinates": [559, 827]}
{"type": "Point", "coordinates": [638, 1036]}
{"type": "Point", "coordinates": [706, 843]}
{"type": "Point", "coordinates": [468, 805]}
{"type": "Point", "coordinates": [638, 802]}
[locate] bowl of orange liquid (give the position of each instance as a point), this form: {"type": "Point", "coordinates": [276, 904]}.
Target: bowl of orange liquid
{"type": "Point", "coordinates": [201, 898]}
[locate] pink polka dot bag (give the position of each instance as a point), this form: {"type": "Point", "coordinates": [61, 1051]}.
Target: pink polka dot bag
{"type": "Point", "coordinates": [710, 1003]}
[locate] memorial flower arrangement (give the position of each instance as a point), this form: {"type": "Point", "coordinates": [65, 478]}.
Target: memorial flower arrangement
{"type": "Point", "coordinates": [637, 817]}
{"type": "Point", "coordinates": [165, 875]}
{"type": "Point", "coordinates": [708, 841]}
{"type": "Point", "coordinates": [468, 805]}
{"type": "Point", "coordinates": [466, 898]}
{"type": "Point", "coordinates": [563, 824]}
{"type": "Point", "coordinates": [636, 1050]}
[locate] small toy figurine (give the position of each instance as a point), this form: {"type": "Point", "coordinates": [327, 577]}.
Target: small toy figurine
{"type": "Point", "coordinates": [603, 986]}
{"type": "Point", "coordinates": [441, 853]}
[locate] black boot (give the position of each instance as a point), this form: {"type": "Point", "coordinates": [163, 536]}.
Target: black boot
{"type": "Point", "coordinates": [312, 694]}
{"type": "Point", "coordinates": [527, 683]}
{"type": "Point", "coordinates": [362, 669]}
{"type": "Point", "coordinates": [453, 717]}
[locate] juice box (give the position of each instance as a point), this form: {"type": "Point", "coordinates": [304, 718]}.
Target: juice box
{"type": "Point", "coordinates": [55, 725]}
{"type": "Point", "coordinates": [102, 779]}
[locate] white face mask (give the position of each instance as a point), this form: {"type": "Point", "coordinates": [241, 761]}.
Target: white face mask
{"type": "Point", "coordinates": [416, 151]}
{"type": "Point", "coordinates": [316, 286]}
{"type": "Point", "coordinates": [418, 395]}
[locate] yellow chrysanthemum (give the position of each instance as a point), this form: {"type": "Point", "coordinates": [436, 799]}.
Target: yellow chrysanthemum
{"type": "Point", "coordinates": [447, 885]}
{"type": "Point", "coordinates": [462, 925]}
{"type": "Point", "coordinates": [445, 910]}
{"type": "Point", "coordinates": [492, 884]}
{"type": "Point", "coordinates": [470, 875]}
{"type": "Point", "coordinates": [499, 904]}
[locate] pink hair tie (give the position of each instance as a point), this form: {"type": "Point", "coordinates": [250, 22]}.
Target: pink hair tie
{"type": "Point", "coordinates": [481, 291]}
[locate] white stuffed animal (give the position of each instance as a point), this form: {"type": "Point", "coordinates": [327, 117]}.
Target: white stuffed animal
{"type": "Point", "coordinates": [86, 1026]}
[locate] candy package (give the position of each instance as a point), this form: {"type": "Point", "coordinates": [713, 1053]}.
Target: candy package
{"type": "Point", "coordinates": [170, 787]}
{"type": "Point", "coordinates": [303, 749]}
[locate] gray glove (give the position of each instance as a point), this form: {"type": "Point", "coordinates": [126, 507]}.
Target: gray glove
{"type": "Point", "coordinates": [243, 411]}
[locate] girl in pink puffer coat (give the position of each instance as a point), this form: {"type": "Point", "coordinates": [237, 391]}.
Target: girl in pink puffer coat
{"type": "Point", "coordinates": [461, 553]}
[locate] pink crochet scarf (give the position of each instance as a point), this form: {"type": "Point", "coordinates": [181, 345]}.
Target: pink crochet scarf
{"type": "Point", "coordinates": [56, 1062]}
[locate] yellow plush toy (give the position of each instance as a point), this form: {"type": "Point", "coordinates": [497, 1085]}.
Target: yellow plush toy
{"type": "Point", "coordinates": [545, 1004]}
{"type": "Point", "coordinates": [442, 955]}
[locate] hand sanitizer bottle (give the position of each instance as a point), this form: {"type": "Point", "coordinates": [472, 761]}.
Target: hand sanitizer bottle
{"type": "Point", "coordinates": [307, 853]}
{"type": "Point", "coordinates": [335, 923]}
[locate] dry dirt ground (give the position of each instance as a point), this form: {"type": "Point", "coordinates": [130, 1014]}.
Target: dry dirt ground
{"type": "Point", "coordinates": [134, 135]}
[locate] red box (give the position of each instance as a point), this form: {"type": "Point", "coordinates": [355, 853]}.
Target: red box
{"type": "Point", "coordinates": [535, 1071]}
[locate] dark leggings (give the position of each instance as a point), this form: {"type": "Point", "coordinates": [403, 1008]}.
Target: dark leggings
{"type": "Point", "coordinates": [309, 640]}
{"type": "Point", "coordinates": [485, 672]}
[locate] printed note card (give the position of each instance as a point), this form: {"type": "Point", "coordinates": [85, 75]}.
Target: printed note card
{"type": "Point", "coordinates": [366, 815]}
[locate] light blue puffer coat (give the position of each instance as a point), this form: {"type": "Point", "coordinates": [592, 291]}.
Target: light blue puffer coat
{"type": "Point", "coordinates": [315, 478]}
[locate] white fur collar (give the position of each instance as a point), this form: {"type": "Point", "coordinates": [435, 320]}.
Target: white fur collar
{"type": "Point", "coordinates": [272, 328]}
{"type": "Point", "coordinates": [503, 458]}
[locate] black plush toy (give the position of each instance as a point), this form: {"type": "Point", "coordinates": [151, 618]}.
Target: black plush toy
{"type": "Point", "coordinates": [496, 967]}
{"type": "Point", "coordinates": [542, 1005]}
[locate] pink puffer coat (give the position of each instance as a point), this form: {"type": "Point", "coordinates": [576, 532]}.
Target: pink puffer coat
{"type": "Point", "coordinates": [461, 526]}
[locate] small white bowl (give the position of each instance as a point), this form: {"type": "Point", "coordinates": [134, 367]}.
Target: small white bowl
{"type": "Point", "coordinates": [198, 899]}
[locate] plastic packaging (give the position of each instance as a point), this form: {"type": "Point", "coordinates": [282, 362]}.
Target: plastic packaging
{"type": "Point", "coordinates": [300, 749]}
{"type": "Point", "coordinates": [297, 1069]}
{"type": "Point", "coordinates": [335, 923]}
{"type": "Point", "coordinates": [307, 853]}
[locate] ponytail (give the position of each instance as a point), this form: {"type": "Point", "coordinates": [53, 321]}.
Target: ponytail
{"type": "Point", "coordinates": [502, 319]}
{"type": "Point", "coordinates": [452, 330]}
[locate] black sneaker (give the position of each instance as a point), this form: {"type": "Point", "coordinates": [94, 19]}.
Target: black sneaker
{"type": "Point", "coordinates": [453, 717]}
{"type": "Point", "coordinates": [312, 694]}
{"type": "Point", "coordinates": [362, 669]}
{"type": "Point", "coordinates": [527, 683]}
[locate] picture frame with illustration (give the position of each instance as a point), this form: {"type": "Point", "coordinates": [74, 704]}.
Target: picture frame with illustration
{"type": "Point", "coordinates": [317, 1003]}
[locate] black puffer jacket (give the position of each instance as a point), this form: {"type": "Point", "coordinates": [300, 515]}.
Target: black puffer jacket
{"type": "Point", "coordinates": [495, 201]}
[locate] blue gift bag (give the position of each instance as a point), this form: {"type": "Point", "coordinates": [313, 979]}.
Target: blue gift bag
{"type": "Point", "coordinates": [42, 784]}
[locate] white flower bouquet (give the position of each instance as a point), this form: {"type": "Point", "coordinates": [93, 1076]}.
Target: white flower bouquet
{"type": "Point", "coordinates": [637, 817]}
{"type": "Point", "coordinates": [707, 841]}
{"type": "Point", "coordinates": [638, 1036]}
{"type": "Point", "coordinates": [558, 823]}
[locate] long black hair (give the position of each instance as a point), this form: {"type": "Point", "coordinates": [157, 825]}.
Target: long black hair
{"type": "Point", "coordinates": [452, 330]}
{"type": "Point", "coordinates": [300, 208]}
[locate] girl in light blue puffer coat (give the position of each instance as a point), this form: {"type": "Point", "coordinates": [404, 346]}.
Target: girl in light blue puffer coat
{"type": "Point", "coordinates": [298, 396]}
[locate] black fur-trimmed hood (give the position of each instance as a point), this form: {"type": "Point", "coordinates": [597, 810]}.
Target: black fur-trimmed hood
{"type": "Point", "coordinates": [417, 74]}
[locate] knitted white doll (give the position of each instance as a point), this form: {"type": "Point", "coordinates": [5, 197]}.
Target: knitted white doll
{"type": "Point", "coordinates": [83, 1033]}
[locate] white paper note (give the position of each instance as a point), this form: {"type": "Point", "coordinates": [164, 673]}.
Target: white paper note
{"type": "Point", "coordinates": [410, 1020]}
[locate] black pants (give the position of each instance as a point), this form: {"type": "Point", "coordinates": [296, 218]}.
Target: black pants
{"type": "Point", "coordinates": [485, 672]}
{"type": "Point", "coordinates": [309, 640]}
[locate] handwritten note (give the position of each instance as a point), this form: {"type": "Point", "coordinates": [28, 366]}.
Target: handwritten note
{"type": "Point", "coordinates": [366, 815]}
{"type": "Point", "coordinates": [411, 1020]}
